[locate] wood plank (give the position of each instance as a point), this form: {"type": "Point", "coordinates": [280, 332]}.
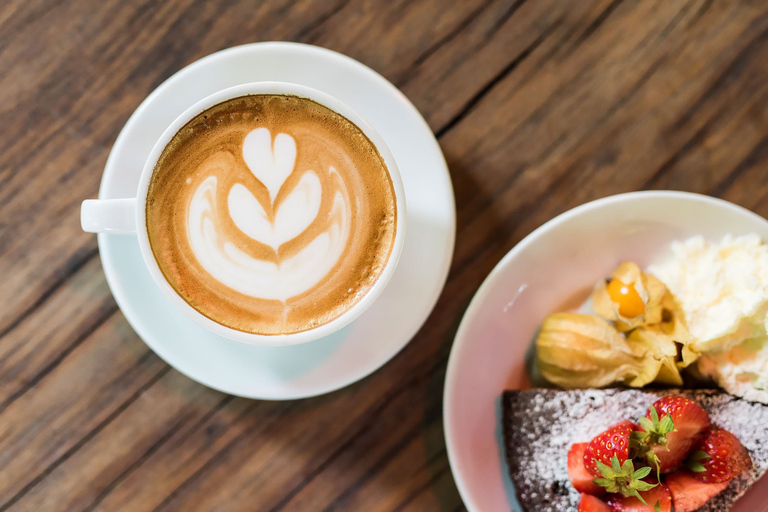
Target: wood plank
{"type": "Point", "coordinates": [285, 453]}
{"type": "Point", "coordinates": [158, 474]}
{"type": "Point", "coordinates": [42, 340]}
{"type": "Point", "coordinates": [489, 49]}
{"type": "Point", "coordinates": [751, 186]}
{"type": "Point", "coordinates": [438, 494]}
{"type": "Point", "coordinates": [605, 128]}
{"type": "Point", "coordinates": [170, 407]}
{"type": "Point", "coordinates": [404, 453]}
{"type": "Point", "coordinates": [391, 36]}
{"type": "Point", "coordinates": [75, 400]}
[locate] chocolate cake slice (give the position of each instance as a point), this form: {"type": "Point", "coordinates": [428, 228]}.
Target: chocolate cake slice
{"type": "Point", "coordinates": [540, 425]}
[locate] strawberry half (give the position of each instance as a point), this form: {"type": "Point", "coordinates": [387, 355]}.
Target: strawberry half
{"type": "Point", "coordinates": [720, 457]}
{"type": "Point", "coordinates": [614, 442]}
{"type": "Point", "coordinates": [657, 499]}
{"type": "Point", "coordinates": [589, 503]}
{"type": "Point", "coordinates": [671, 427]}
{"type": "Point", "coordinates": [688, 494]}
{"type": "Point", "coordinates": [581, 479]}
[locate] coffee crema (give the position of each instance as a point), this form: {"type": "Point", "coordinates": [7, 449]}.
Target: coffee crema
{"type": "Point", "coordinates": [271, 214]}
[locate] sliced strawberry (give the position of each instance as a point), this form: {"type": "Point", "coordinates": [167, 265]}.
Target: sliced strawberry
{"type": "Point", "coordinates": [688, 493]}
{"type": "Point", "coordinates": [720, 457]}
{"type": "Point", "coordinates": [581, 479]}
{"type": "Point", "coordinates": [657, 499]}
{"type": "Point", "coordinates": [671, 427]}
{"type": "Point", "coordinates": [612, 442]}
{"type": "Point", "coordinates": [589, 503]}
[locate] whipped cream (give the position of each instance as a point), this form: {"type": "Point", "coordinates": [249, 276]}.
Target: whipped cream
{"type": "Point", "coordinates": [723, 291]}
{"type": "Point", "coordinates": [741, 371]}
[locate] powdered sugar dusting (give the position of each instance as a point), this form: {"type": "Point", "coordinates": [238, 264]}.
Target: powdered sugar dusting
{"type": "Point", "coordinates": [540, 426]}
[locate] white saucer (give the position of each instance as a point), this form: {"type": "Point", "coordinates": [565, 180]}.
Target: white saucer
{"type": "Point", "coordinates": [280, 373]}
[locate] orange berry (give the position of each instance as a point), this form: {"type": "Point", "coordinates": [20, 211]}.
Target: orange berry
{"type": "Point", "coordinates": [625, 295]}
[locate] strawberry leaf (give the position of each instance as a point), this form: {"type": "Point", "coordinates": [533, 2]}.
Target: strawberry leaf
{"type": "Point", "coordinates": [641, 473]}
{"type": "Point", "coordinates": [647, 425]}
{"type": "Point", "coordinates": [667, 425]}
{"type": "Point", "coordinates": [604, 469]}
{"type": "Point", "coordinates": [633, 492]}
{"type": "Point", "coordinates": [654, 416]}
{"type": "Point", "coordinates": [657, 507]}
{"type": "Point", "coordinates": [627, 468]}
{"type": "Point", "coordinates": [642, 486]}
{"type": "Point", "coordinates": [697, 467]}
{"type": "Point", "coordinates": [615, 465]}
{"type": "Point", "coordinates": [605, 482]}
{"type": "Point", "coordinates": [700, 455]}
{"type": "Point", "coordinates": [654, 460]}
{"type": "Point", "coordinates": [694, 461]}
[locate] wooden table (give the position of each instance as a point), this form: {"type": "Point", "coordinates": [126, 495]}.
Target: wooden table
{"type": "Point", "coordinates": [539, 106]}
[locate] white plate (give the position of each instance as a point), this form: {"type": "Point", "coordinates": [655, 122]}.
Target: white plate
{"type": "Point", "coordinates": [386, 327]}
{"type": "Point", "coordinates": [563, 258]}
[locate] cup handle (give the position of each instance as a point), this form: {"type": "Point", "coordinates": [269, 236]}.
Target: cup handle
{"type": "Point", "coordinates": [108, 215]}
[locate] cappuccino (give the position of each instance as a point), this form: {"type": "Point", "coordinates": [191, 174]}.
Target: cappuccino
{"type": "Point", "coordinates": [271, 214]}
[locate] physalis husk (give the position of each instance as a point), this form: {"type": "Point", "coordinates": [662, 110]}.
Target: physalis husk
{"type": "Point", "coordinates": [577, 351]}
{"type": "Point", "coordinates": [633, 340]}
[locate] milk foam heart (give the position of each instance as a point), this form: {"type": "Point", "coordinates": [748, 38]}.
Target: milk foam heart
{"type": "Point", "coordinates": [271, 167]}
{"type": "Point", "coordinates": [271, 214]}
{"type": "Point", "coordinates": [274, 226]}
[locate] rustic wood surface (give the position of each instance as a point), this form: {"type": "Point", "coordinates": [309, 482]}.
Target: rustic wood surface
{"type": "Point", "coordinates": [539, 106]}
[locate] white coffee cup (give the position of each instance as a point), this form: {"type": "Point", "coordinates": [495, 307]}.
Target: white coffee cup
{"type": "Point", "coordinates": [128, 215]}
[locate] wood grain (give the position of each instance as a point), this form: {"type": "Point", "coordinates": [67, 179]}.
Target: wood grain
{"type": "Point", "coordinates": [539, 105]}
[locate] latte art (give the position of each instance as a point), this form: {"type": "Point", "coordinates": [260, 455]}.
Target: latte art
{"type": "Point", "coordinates": [274, 226]}
{"type": "Point", "coordinates": [271, 214]}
